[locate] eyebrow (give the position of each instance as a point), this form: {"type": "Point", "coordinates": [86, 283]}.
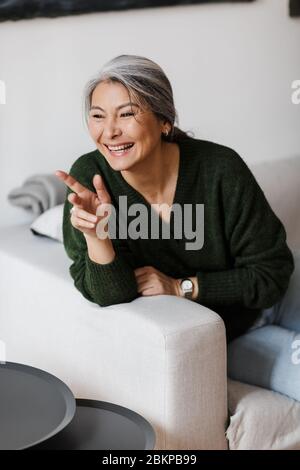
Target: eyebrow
{"type": "Point", "coordinates": [118, 107]}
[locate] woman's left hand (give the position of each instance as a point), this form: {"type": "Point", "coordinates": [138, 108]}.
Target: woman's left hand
{"type": "Point", "coordinates": [150, 281]}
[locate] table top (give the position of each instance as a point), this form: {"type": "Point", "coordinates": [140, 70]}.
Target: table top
{"type": "Point", "coordinates": [99, 425]}
{"type": "Point", "coordinates": [34, 406]}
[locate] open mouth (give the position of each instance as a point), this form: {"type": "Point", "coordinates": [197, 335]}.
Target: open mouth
{"type": "Point", "coordinates": [121, 150]}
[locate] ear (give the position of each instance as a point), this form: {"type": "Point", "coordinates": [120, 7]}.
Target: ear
{"type": "Point", "coordinates": [166, 126]}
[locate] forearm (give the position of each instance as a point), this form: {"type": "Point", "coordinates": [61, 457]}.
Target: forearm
{"type": "Point", "coordinates": [101, 274]}
{"type": "Point", "coordinates": [253, 286]}
{"type": "Point", "coordinates": [107, 275]}
{"type": "Point", "coordinates": [100, 251]}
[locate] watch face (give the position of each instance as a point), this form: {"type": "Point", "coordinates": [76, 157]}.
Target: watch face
{"type": "Point", "coordinates": [187, 284]}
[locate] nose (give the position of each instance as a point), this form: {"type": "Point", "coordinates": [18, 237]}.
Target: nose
{"type": "Point", "coordinates": [110, 130]}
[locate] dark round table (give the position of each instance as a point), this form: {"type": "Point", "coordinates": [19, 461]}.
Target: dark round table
{"type": "Point", "coordinates": [38, 411]}
{"type": "Point", "coordinates": [99, 425]}
{"type": "Point", "coordinates": [34, 406]}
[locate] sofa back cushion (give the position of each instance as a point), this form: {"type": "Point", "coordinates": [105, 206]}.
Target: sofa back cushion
{"type": "Point", "coordinates": [280, 181]}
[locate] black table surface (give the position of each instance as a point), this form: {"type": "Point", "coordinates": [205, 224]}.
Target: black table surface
{"type": "Point", "coordinates": [34, 406]}
{"type": "Point", "coordinates": [99, 425]}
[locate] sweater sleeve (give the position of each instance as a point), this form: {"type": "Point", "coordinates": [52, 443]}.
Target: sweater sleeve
{"type": "Point", "coordinates": [104, 284]}
{"type": "Point", "coordinates": [262, 263]}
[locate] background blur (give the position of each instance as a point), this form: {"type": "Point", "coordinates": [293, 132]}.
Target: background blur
{"type": "Point", "coordinates": [231, 67]}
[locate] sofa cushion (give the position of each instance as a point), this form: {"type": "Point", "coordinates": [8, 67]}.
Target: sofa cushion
{"type": "Point", "coordinates": [267, 357]}
{"type": "Point", "coordinates": [261, 419]}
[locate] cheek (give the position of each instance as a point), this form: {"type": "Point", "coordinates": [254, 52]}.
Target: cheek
{"type": "Point", "coordinates": [134, 129]}
{"type": "Point", "coordinates": [94, 130]}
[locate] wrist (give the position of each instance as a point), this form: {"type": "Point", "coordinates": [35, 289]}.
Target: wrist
{"type": "Point", "coordinates": [179, 291]}
{"type": "Point", "coordinates": [194, 279]}
{"type": "Point", "coordinates": [100, 251]}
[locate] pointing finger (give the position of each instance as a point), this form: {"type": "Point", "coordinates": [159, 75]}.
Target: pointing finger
{"type": "Point", "coordinates": [71, 182]}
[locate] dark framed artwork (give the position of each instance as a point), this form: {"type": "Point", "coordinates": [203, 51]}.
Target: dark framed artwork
{"type": "Point", "coordinates": [22, 9]}
{"type": "Point", "coordinates": [294, 7]}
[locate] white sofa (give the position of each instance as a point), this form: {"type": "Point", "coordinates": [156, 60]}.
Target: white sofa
{"type": "Point", "coordinates": [163, 356]}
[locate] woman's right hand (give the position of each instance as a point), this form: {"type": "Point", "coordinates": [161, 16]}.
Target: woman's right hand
{"type": "Point", "coordinates": [85, 202]}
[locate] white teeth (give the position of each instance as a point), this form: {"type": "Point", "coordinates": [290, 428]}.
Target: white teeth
{"type": "Point", "coordinates": [121, 147]}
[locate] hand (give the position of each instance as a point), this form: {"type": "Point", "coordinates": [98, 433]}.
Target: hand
{"type": "Point", "coordinates": [150, 281]}
{"type": "Point", "coordinates": [85, 202]}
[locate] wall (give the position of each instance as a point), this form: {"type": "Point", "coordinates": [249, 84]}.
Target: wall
{"type": "Point", "coordinates": [231, 67]}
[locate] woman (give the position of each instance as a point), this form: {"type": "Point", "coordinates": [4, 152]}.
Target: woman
{"type": "Point", "coordinates": [244, 265]}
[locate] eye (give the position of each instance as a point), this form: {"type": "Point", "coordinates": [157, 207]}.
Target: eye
{"type": "Point", "coordinates": [127, 114]}
{"type": "Point", "coordinates": [97, 116]}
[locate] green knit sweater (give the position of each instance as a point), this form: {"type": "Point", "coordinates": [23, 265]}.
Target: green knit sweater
{"type": "Point", "coordinates": [244, 264]}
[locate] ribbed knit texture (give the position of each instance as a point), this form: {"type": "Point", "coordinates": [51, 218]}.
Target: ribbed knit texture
{"type": "Point", "coordinates": [244, 264]}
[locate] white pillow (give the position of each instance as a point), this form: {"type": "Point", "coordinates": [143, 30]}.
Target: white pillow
{"type": "Point", "coordinates": [49, 223]}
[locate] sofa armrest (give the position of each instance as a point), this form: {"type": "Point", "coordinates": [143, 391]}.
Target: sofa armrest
{"type": "Point", "coordinates": [192, 344]}
{"type": "Point", "coordinates": [162, 356]}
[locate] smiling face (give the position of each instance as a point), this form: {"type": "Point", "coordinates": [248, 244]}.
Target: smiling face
{"type": "Point", "coordinates": [113, 125]}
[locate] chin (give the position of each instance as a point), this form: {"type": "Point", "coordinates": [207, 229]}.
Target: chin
{"type": "Point", "coordinates": [120, 165]}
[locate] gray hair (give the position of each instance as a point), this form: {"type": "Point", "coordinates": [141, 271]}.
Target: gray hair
{"type": "Point", "coordinates": [146, 82]}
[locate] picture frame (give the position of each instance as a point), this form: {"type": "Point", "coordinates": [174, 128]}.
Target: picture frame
{"type": "Point", "coordinates": [27, 9]}
{"type": "Point", "coordinates": [294, 8]}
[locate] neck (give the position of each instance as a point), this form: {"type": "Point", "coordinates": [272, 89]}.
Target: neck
{"type": "Point", "coordinates": [150, 176]}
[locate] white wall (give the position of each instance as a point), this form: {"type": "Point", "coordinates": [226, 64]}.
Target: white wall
{"type": "Point", "coordinates": [231, 67]}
